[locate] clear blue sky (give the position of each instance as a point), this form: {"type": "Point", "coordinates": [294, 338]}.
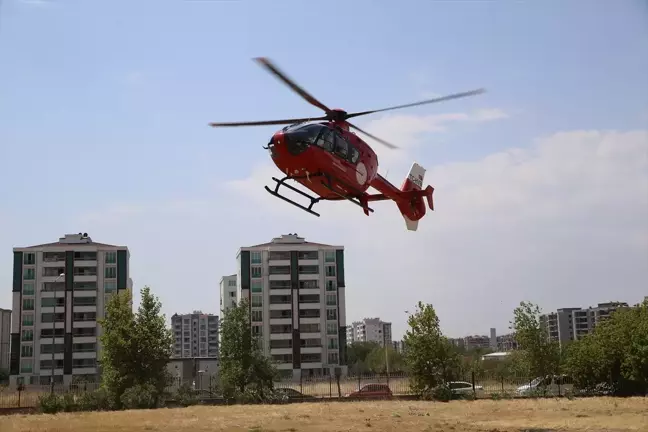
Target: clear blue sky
{"type": "Point", "coordinates": [106, 103]}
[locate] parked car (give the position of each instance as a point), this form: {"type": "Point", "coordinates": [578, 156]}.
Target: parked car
{"type": "Point", "coordinates": [465, 388]}
{"type": "Point", "coordinates": [550, 385]}
{"type": "Point", "coordinates": [378, 391]}
{"type": "Point", "coordinates": [292, 394]}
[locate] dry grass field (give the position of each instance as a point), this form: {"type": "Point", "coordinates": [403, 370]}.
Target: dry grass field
{"type": "Point", "coordinates": [591, 414]}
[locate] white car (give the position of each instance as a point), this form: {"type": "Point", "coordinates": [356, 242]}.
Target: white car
{"type": "Point", "coordinates": [465, 388]}
{"type": "Point", "coordinates": [556, 385]}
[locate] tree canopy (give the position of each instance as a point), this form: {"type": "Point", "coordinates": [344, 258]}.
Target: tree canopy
{"type": "Point", "coordinates": [136, 347]}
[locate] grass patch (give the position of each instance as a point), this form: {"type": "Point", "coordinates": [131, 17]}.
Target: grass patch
{"type": "Point", "coordinates": [588, 414]}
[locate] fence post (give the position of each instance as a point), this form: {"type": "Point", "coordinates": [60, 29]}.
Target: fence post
{"type": "Point", "coordinates": [502, 384]}
{"type": "Point", "coordinates": [472, 377]}
{"type": "Point", "coordinates": [19, 392]}
{"type": "Point", "coordinates": [330, 386]}
{"type": "Point", "coordinates": [359, 378]}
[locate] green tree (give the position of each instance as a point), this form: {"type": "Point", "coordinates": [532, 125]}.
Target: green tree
{"type": "Point", "coordinates": [615, 353]}
{"type": "Point", "coordinates": [430, 357]}
{"type": "Point", "coordinates": [357, 354]}
{"type": "Point", "coordinates": [376, 361]}
{"type": "Point", "coordinates": [136, 348]}
{"type": "Point", "coordinates": [246, 373]}
{"type": "Point", "coordinates": [541, 355]}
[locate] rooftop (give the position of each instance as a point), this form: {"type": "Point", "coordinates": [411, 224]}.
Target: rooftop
{"type": "Point", "coordinates": [71, 239]}
{"type": "Point", "coordinates": [288, 239]}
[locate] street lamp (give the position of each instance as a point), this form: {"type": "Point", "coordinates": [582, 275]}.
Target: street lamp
{"type": "Point", "coordinates": [62, 275]}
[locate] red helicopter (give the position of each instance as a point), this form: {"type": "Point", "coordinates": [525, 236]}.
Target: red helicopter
{"type": "Point", "coordinates": [323, 155]}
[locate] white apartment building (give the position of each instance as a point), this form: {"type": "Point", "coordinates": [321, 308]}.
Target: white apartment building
{"type": "Point", "coordinates": [60, 290]}
{"type": "Point", "coordinates": [370, 330]}
{"type": "Point", "coordinates": [196, 335]}
{"type": "Point", "coordinates": [296, 291]}
{"type": "Point", "coordinates": [568, 324]}
{"type": "Point", "coordinates": [5, 338]}
{"type": "Point", "coordinates": [228, 293]}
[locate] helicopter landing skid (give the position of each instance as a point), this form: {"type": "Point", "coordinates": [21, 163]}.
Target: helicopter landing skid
{"type": "Point", "coordinates": [282, 182]}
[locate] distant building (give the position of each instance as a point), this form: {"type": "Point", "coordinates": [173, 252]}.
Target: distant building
{"type": "Point", "coordinates": [200, 373]}
{"type": "Point", "coordinates": [477, 341]}
{"type": "Point", "coordinates": [296, 291]}
{"type": "Point", "coordinates": [60, 291]}
{"type": "Point", "coordinates": [228, 294]}
{"type": "Point", "coordinates": [5, 338]}
{"type": "Point", "coordinates": [370, 330]}
{"type": "Point", "coordinates": [399, 346]}
{"type": "Point", "coordinates": [568, 324]}
{"type": "Point", "coordinates": [196, 335]}
{"type": "Point", "coordinates": [507, 342]}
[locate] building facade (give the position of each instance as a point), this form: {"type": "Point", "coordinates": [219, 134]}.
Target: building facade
{"type": "Point", "coordinates": [370, 330]}
{"type": "Point", "coordinates": [5, 338]}
{"type": "Point", "coordinates": [60, 290]}
{"type": "Point", "coordinates": [228, 293]}
{"type": "Point", "coordinates": [196, 335]}
{"type": "Point", "coordinates": [568, 324]}
{"type": "Point", "coordinates": [296, 293]}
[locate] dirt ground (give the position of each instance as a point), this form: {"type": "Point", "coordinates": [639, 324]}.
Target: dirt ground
{"type": "Point", "coordinates": [588, 414]}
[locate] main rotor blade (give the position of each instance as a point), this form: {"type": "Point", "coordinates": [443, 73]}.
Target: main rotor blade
{"type": "Point", "coordinates": [429, 101]}
{"type": "Point", "coordinates": [380, 140]}
{"type": "Point", "coordinates": [266, 122]}
{"type": "Point", "coordinates": [296, 88]}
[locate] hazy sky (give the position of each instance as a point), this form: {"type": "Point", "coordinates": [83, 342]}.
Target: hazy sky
{"type": "Point", "coordinates": [541, 183]}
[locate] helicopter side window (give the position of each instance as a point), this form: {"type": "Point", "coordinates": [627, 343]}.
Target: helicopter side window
{"type": "Point", "coordinates": [341, 147]}
{"type": "Point", "coordinates": [326, 140]}
{"type": "Point", "coordinates": [354, 155]}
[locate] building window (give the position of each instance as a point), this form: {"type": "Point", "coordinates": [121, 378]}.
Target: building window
{"type": "Point", "coordinates": [28, 304]}
{"type": "Point", "coordinates": [330, 271]}
{"type": "Point", "coordinates": [308, 255]}
{"type": "Point", "coordinates": [257, 330]}
{"type": "Point", "coordinates": [333, 358]}
{"type": "Point", "coordinates": [28, 319]}
{"type": "Point", "coordinates": [331, 314]}
{"type": "Point", "coordinates": [26, 366]}
{"type": "Point", "coordinates": [255, 257]}
{"type": "Point", "coordinates": [231, 283]}
{"type": "Point", "coordinates": [257, 301]}
{"type": "Point", "coordinates": [28, 288]}
{"type": "Point", "coordinates": [30, 274]}
{"type": "Point", "coordinates": [85, 286]}
{"type": "Point", "coordinates": [257, 316]}
{"type": "Point", "coordinates": [309, 284]}
{"type": "Point", "coordinates": [29, 258]}
{"type": "Point", "coordinates": [331, 329]}
{"type": "Point", "coordinates": [329, 256]}
{"type": "Point", "coordinates": [285, 270]}
{"type": "Point", "coordinates": [52, 301]}
{"type": "Point", "coordinates": [27, 351]}
{"type": "Point", "coordinates": [110, 286]}
{"type": "Point", "coordinates": [330, 285]}
{"type": "Point", "coordinates": [332, 343]}
{"type": "Point", "coordinates": [308, 269]}
{"type": "Point", "coordinates": [255, 271]}
{"type": "Point", "coordinates": [110, 272]}
{"type": "Point", "coordinates": [111, 257]}
{"type": "Point", "coordinates": [331, 300]}
{"type": "Point", "coordinates": [27, 335]}
{"type": "Point", "coordinates": [84, 301]}
{"type": "Point", "coordinates": [256, 286]}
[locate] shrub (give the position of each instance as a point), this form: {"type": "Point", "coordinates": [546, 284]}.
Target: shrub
{"type": "Point", "coordinates": [50, 403]}
{"type": "Point", "coordinates": [68, 402]}
{"type": "Point", "coordinates": [140, 397]}
{"type": "Point", "coordinates": [186, 396]}
{"type": "Point", "coordinates": [97, 400]}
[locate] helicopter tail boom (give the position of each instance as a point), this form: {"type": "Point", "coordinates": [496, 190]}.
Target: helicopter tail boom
{"type": "Point", "coordinates": [411, 198]}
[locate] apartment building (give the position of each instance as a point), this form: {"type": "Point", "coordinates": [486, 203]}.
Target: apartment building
{"type": "Point", "coordinates": [60, 290]}
{"type": "Point", "coordinates": [370, 330]}
{"type": "Point", "coordinates": [228, 293]}
{"type": "Point", "coordinates": [399, 346]}
{"type": "Point", "coordinates": [507, 342]}
{"type": "Point", "coordinates": [568, 324]}
{"type": "Point", "coordinates": [5, 338]}
{"type": "Point", "coordinates": [196, 335]}
{"type": "Point", "coordinates": [296, 291]}
{"type": "Point", "coordinates": [476, 341]}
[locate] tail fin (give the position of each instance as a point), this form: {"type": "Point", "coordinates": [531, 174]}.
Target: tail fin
{"type": "Point", "coordinates": [414, 209]}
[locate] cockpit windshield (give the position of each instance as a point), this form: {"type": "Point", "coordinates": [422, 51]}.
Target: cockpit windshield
{"type": "Point", "coordinates": [306, 133]}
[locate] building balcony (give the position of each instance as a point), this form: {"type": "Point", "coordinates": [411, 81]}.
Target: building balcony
{"type": "Point", "coordinates": [305, 277]}
{"type": "Point", "coordinates": [84, 339]}
{"type": "Point", "coordinates": [304, 306]}
{"type": "Point", "coordinates": [313, 320]}
{"type": "Point", "coordinates": [279, 262]}
{"type": "Point", "coordinates": [84, 354]}
{"type": "Point", "coordinates": [309, 291]}
{"type": "Point", "coordinates": [84, 371]}
{"type": "Point", "coordinates": [280, 336]}
{"type": "Point", "coordinates": [313, 262]}
{"type": "Point", "coordinates": [85, 278]}
{"type": "Point", "coordinates": [280, 306]}
{"type": "Point", "coordinates": [310, 365]}
{"type": "Point", "coordinates": [84, 324]}
{"type": "Point", "coordinates": [281, 321]}
{"type": "Point", "coordinates": [281, 351]}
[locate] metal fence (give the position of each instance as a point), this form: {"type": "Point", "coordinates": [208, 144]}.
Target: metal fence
{"type": "Point", "coordinates": [207, 387]}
